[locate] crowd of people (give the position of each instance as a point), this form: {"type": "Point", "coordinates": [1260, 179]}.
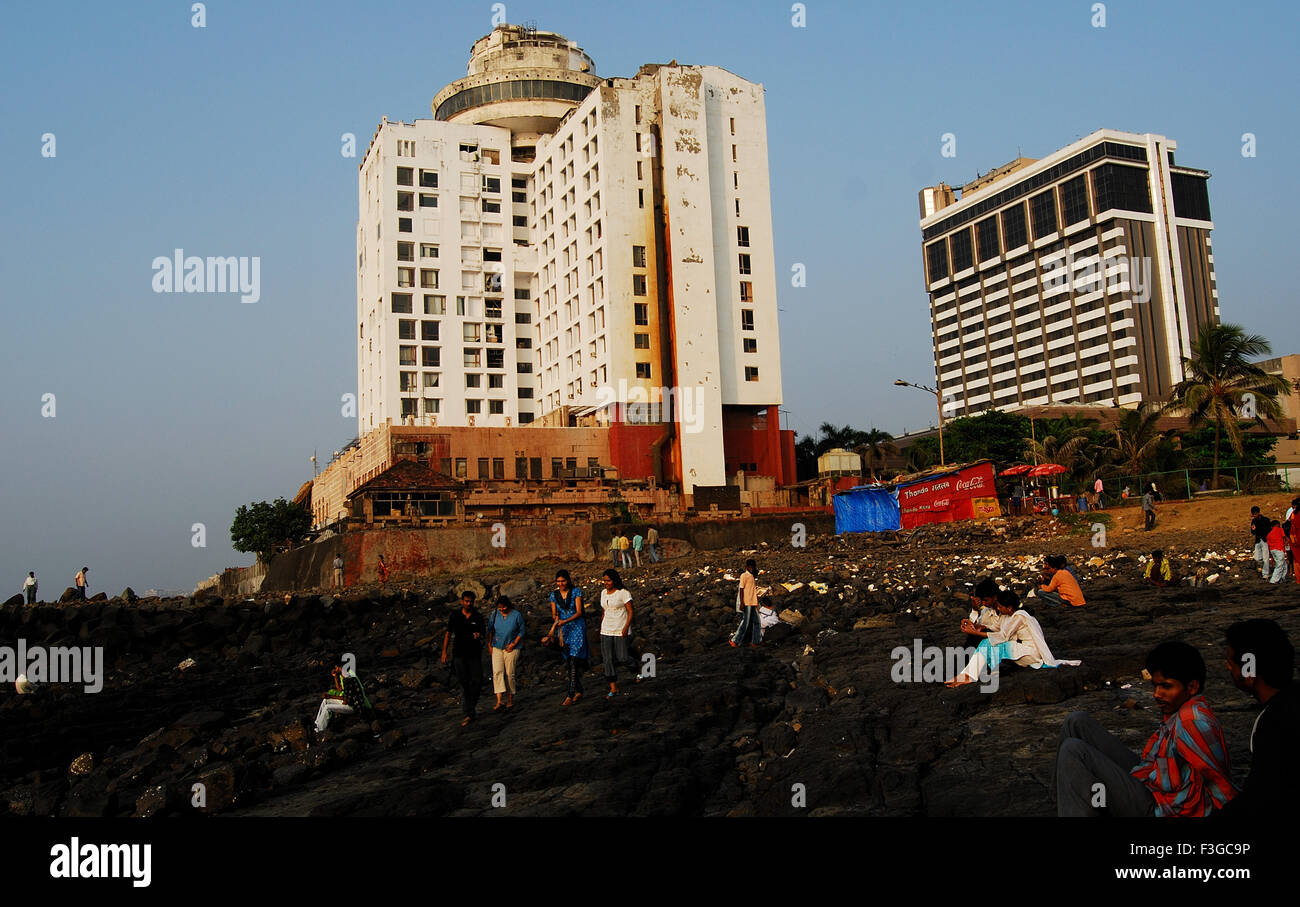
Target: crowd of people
{"type": "Point", "coordinates": [31, 586]}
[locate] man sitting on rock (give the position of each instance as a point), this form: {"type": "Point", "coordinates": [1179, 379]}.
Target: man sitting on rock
{"type": "Point", "coordinates": [1261, 661]}
{"type": "Point", "coordinates": [345, 696]}
{"type": "Point", "coordinates": [1060, 587]}
{"type": "Point", "coordinates": [1183, 769]}
{"type": "Point", "coordinates": [1157, 571]}
{"type": "Point", "coordinates": [984, 609]}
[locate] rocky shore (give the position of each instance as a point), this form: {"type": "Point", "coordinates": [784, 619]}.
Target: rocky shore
{"type": "Point", "coordinates": [222, 693]}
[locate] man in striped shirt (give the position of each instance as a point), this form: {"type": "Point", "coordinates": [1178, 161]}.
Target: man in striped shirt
{"type": "Point", "coordinates": [1183, 769]}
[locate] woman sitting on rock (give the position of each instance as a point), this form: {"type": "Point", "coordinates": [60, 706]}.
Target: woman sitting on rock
{"type": "Point", "coordinates": [566, 610]}
{"type": "Point", "coordinates": [1018, 638]}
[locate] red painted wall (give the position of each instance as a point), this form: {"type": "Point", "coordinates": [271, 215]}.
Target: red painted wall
{"type": "Point", "coordinates": [631, 449]}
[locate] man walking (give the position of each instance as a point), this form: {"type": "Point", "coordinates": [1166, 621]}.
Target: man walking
{"type": "Point", "coordinates": [467, 628]}
{"type": "Point", "coordinates": [614, 552]}
{"type": "Point", "coordinates": [625, 549]}
{"type": "Point", "coordinates": [1097, 490]}
{"type": "Point", "coordinates": [651, 544]}
{"type": "Point", "coordinates": [338, 571]}
{"type": "Point", "coordinates": [1149, 508]}
{"type": "Point", "coordinates": [1259, 529]}
{"type": "Point", "coordinates": [29, 587]}
{"type": "Point", "coordinates": [637, 542]}
{"type": "Point", "coordinates": [81, 582]}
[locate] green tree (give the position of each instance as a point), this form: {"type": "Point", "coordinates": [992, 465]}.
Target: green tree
{"type": "Point", "coordinates": [992, 435]}
{"type": "Point", "coordinates": [263, 528]}
{"type": "Point", "coordinates": [1136, 438]}
{"type": "Point", "coordinates": [875, 445]}
{"type": "Point", "coordinates": [1219, 375]}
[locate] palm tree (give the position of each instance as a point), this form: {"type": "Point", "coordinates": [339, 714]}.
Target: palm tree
{"type": "Point", "coordinates": [1065, 445]}
{"type": "Point", "coordinates": [1137, 436]}
{"type": "Point", "coordinates": [1219, 375]}
{"type": "Point", "coordinates": [875, 444]}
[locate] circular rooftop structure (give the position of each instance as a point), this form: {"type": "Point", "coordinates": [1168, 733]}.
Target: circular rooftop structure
{"type": "Point", "coordinates": [519, 78]}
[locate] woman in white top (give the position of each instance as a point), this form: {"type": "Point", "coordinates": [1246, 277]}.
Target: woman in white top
{"type": "Point", "coordinates": [1018, 638]}
{"type": "Point", "coordinates": [615, 622]}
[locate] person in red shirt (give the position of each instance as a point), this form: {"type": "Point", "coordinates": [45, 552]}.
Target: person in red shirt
{"type": "Point", "coordinates": [1277, 550]}
{"type": "Point", "coordinates": [383, 570]}
{"type": "Point", "coordinates": [1184, 768]}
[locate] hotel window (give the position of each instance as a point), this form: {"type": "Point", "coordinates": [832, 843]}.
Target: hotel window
{"type": "Point", "coordinates": [473, 380]}
{"type": "Point", "coordinates": [405, 176]}
{"type": "Point", "coordinates": [638, 256]}
{"type": "Point", "coordinates": [428, 250]}
{"type": "Point", "coordinates": [428, 179]}
{"type": "Point", "coordinates": [431, 356]}
{"type": "Point", "coordinates": [986, 232]}
{"type": "Point", "coordinates": [406, 277]}
{"type": "Point", "coordinates": [491, 207]}
{"type": "Point", "coordinates": [1123, 188]}
{"type": "Point", "coordinates": [643, 369]}
{"type": "Point", "coordinates": [523, 368]}
{"type": "Point", "coordinates": [473, 408]}
{"type": "Point", "coordinates": [402, 303]}
{"type": "Point", "coordinates": [432, 407]}
{"type": "Point", "coordinates": [428, 201]}
{"type": "Point", "coordinates": [744, 264]}
{"type": "Point", "coordinates": [638, 115]}
{"type": "Point", "coordinates": [1013, 227]}
{"type": "Point", "coordinates": [473, 359]}
{"type": "Point", "coordinates": [1074, 200]}
{"type": "Point", "coordinates": [471, 330]}
{"type": "Point", "coordinates": [639, 175]}
{"type": "Point", "coordinates": [641, 341]}
{"type": "Point", "coordinates": [638, 285]}
{"type": "Point", "coordinates": [406, 251]}
{"type": "Point", "coordinates": [523, 343]}
{"type": "Point", "coordinates": [742, 237]}
{"type": "Point", "coordinates": [1043, 209]}
{"type": "Point", "coordinates": [435, 305]}
{"type": "Point", "coordinates": [406, 381]}
{"type": "Point", "coordinates": [431, 379]}
{"type": "Point", "coordinates": [523, 318]}
{"type": "Point", "coordinates": [746, 319]}
{"type": "Point", "coordinates": [409, 407]}
{"type": "Point", "coordinates": [746, 291]}
{"type": "Point", "coordinates": [497, 408]}
{"type": "Point", "coordinates": [751, 345]}
{"type": "Point", "coordinates": [405, 329]}
{"type": "Point", "coordinates": [492, 184]}
{"type": "Point", "coordinates": [406, 355]}
{"type": "Point", "coordinates": [961, 250]}
{"type": "Point", "coordinates": [495, 358]}
{"type": "Point", "coordinates": [751, 373]}
{"type": "Point", "coordinates": [429, 330]}
{"type": "Point", "coordinates": [429, 278]}
{"type": "Point", "coordinates": [641, 313]}
{"type": "Point", "coordinates": [406, 201]}
{"type": "Point", "coordinates": [404, 225]}
{"type": "Point", "coordinates": [495, 382]}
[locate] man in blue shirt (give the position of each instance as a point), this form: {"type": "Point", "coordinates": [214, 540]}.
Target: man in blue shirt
{"type": "Point", "coordinates": [505, 635]}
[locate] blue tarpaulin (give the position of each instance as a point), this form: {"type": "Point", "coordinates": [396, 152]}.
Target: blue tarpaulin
{"type": "Point", "coordinates": [867, 508]}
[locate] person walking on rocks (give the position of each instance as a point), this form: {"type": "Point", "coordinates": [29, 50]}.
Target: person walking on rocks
{"type": "Point", "coordinates": [637, 543]}
{"type": "Point", "coordinates": [29, 587]}
{"type": "Point", "coordinates": [1183, 769]}
{"type": "Point", "coordinates": [1259, 531]}
{"type": "Point", "coordinates": [615, 622]}
{"type": "Point", "coordinates": [750, 629]}
{"type": "Point", "coordinates": [1277, 550]}
{"type": "Point", "coordinates": [505, 636]}
{"type": "Point", "coordinates": [614, 552]}
{"type": "Point", "coordinates": [81, 582]}
{"type": "Point", "coordinates": [465, 632]}
{"type": "Point", "coordinates": [652, 544]}
{"type": "Point", "coordinates": [1098, 489]}
{"type": "Point", "coordinates": [571, 627]}
{"type": "Point", "coordinates": [382, 569]}
{"type": "Point", "coordinates": [338, 571]}
{"type": "Point", "coordinates": [625, 549]}
{"type": "Point", "coordinates": [1149, 508]}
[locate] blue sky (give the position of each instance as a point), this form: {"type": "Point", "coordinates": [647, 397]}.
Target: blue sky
{"type": "Point", "coordinates": [173, 409]}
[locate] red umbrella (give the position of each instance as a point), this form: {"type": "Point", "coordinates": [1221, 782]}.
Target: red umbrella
{"type": "Point", "coordinates": [1016, 470]}
{"type": "Point", "coordinates": [1047, 469]}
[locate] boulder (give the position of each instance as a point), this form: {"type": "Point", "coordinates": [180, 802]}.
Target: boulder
{"type": "Point", "coordinates": [70, 594]}
{"type": "Point", "coordinates": [128, 595]}
{"type": "Point", "coordinates": [14, 600]}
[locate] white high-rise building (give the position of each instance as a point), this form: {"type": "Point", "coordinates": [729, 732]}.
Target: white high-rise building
{"type": "Point", "coordinates": [553, 246]}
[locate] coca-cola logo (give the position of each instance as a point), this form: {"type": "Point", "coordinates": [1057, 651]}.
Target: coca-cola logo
{"type": "Point", "coordinates": [977, 482]}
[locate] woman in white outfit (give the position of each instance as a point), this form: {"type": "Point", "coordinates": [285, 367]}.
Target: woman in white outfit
{"type": "Point", "coordinates": [1018, 638]}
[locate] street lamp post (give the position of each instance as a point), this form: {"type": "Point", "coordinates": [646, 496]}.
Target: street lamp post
{"type": "Point", "coordinates": [938, 399]}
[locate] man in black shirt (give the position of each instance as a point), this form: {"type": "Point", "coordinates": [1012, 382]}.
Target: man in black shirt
{"type": "Point", "coordinates": [465, 633]}
{"type": "Point", "coordinates": [1261, 661]}
{"type": "Point", "coordinates": [1259, 526]}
